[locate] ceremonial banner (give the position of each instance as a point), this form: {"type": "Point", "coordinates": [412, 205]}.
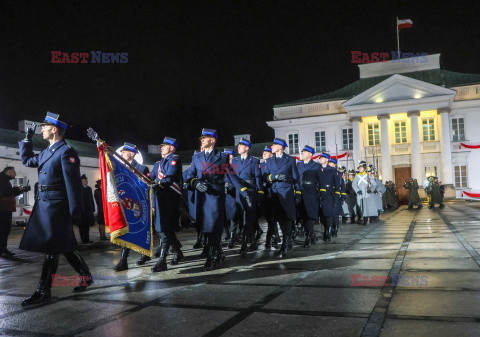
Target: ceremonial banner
{"type": "Point", "coordinates": [126, 204]}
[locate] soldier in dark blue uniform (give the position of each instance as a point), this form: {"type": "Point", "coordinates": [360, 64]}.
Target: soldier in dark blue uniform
{"type": "Point", "coordinates": [281, 171]}
{"type": "Point", "coordinates": [332, 162]}
{"type": "Point", "coordinates": [231, 209]}
{"type": "Point", "coordinates": [128, 153]}
{"type": "Point", "coordinates": [58, 206]}
{"type": "Point", "coordinates": [266, 207]}
{"type": "Point", "coordinates": [328, 194]}
{"type": "Point", "coordinates": [167, 175]}
{"type": "Point", "coordinates": [206, 176]}
{"type": "Point", "coordinates": [88, 219]}
{"type": "Point", "coordinates": [309, 172]}
{"type": "Point", "coordinates": [247, 169]}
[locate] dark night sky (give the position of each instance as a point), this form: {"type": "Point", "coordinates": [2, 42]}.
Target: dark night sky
{"type": "Point", "coordinates": [208, 64]}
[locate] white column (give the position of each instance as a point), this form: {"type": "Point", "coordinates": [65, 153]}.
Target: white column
{"type": "Point", "coordinates": [357, 153]}
{"type": "Point", "coordinates": [385, 145]}
{"type": "Point", "coordinates": [446, 147]}
{"type": "Point", "coordinates": [415, 145]}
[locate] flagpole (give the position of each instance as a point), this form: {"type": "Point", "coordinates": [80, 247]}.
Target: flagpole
{"type": "Point", "coordinates": [398, 38]}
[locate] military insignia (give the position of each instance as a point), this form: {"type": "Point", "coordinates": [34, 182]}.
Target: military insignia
{"type": "Point", "coordinates": [174, 162]}
{"type": "Point", "coordinates": [71, 160]}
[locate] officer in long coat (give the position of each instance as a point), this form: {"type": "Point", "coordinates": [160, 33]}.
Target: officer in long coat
{"type": "Point", "coordinates": [353, 209]}
{"type": "Point", "coordinates": [57, 207]}
{"type": "Point", "coordinates": [247, 169]}
{"type": "Point", "coordinates": [329, 194]}
{"type": "Point", "coordinates": [167, 176]}
{"type": "Point", "coordinates": [332, 162]}
{"type": "Point", "coordinates": [433, 190]}
{"type": "Point", "coordinates": [266, 207]}
{"type": "Point", "coordinates": [281, 171]}
{"type": "Point", "coordinates": [364, 185]}
{"type": "Point", "coordinates": [206, 176]}
{"type": "Point", "coordinates": [413, 197]}
{"type": "Point", "coordinates": [128, 152]}
{"type": "Point", "coordinates": [309, 182]}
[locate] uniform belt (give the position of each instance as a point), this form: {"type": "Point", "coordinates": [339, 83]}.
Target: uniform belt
{"type": "Point", "coordinates": [44, 188]}
{"type": "Point", "coordinates": [306, 182]}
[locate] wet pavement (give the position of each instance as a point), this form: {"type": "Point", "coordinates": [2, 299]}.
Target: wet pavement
{"type": "Point", "coordinates": [431, 258]}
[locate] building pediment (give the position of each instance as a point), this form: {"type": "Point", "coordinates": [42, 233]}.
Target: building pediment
{"type": "Point", "coordinates": [398, 88]}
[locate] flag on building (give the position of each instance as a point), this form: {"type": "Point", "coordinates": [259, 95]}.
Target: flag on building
{"type": "Point", "coordinates": [401, 24]}
{"type": "Point", "coordinates": [126, 204]}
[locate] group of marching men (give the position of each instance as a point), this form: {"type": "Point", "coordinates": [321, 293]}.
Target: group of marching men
{"type": "Point", "coordinates": [228, 193]}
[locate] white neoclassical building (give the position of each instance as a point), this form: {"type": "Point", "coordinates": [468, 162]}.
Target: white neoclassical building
{"type": "Point", "coordinates": [409, 118]}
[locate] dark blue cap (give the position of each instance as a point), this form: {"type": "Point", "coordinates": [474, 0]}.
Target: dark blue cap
{"type": "Point", "coordinates": [170, 141]}
{"type": "Point", "coordinates": [209, 133]}
{"type": "Point", "coordinates": [229, 151]}
{"type": "Point", "coordinates": [129, 147]}
{"type": "Point", "coordinates": [325, 155]}
{"type": "Point", "coordinates": [332, 160]}
{"type": "Point", "coordinates": [309, 149]}
{"type": "Point", "coordinates": [267, 149]}
{"type": "Point", "coordinates": [52, 119]}
{"type": "Point", "coordinates": [280, 141]}
{"type": "Point", "coordinates": [245, 142]}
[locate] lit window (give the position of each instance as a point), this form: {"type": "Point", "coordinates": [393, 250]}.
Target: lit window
{"type": "Point", "coordinates": [461, 176]}
{"type": "Point", "coordinates": [400, 132]}
{"type": "Point", "coordinates": [348, 139]}
{"type": "Point", "coordinates": [430, 171]}
{"type": "Point", "coordinates": [458, 129]}
{"type": "Point", "coordinates": [428, 127]}
{"type": "Point", "coordinates": [320, 141]}
{"type": "Point", "coordinates": [373, 134]}
{"type": "Point", "coordinates": [293, 143]}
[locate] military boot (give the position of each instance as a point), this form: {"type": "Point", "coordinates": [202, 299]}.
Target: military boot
{"type": "Point", "coordinates": [177, 255]}
{"type": "Point", "coordinates": [210, 263]}
{"type": "Point", "coordinates": [78, 263]}
{"type": "Point", "coordinates": [143, 259]}
{"type": "Point", "coordinates": [43, 293]}
{"type": "Point", "coordinates": [198, 243]}
{"type": "Point", "coordinates": [161, 265]}
{"type": "Point", "coordinates": [123, 263]}
{"type": "Point", "coordinates": [307, 242]}
{"type": "Point", "coordinates": [243, 247]}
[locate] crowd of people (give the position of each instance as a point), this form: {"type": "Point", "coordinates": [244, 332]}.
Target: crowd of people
{"type": "Point", "coordinates": [224, 193]}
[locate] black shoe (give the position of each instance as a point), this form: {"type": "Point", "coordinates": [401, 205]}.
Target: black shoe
{"type": "Point", "coordinates": [420, 206]}
{"type": "Point", "coordinates": [198, 245]}
{"type": "Point", "coordinates": [144, 258]}
{"type": "Point", "coordinates": [282, 253]}
{"type": "Point", "coordinates": [7, 253]}
{"type": "Point", "coordinates": [253, 246]}
{"type": "Point", "coordinates": [365, 221]}
{"type": "Point", "coordinates": [85, 281]}
{"type": "Point", "coordinates": [442, 206]}
{"type": "Point", "coordinates": [352, 220]}
{"type": "Point", "coordinates": [88, 241]}
{"type": "Point", "coordinates": [431, 206]}
{"type": "Point", "coordinates": [306, 244]}
{"type": "Point", "coordinates": [243, 248]}
{"type": "Point", "coordinates": [177, 257]}
{"type": "Point", "coordinates": [39, 297]}
{"type": "Point", "coordinates": [161, 265]}
{"type": "Point", "coordinates": [123, 263]}
{"type": "Point", "coordinates": [210, 263]}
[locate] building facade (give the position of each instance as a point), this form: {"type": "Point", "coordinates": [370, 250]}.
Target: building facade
{"type": "Point", "coordinates": [407, 118]}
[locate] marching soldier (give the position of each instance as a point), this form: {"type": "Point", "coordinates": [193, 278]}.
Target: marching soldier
{"type": "Point", "coordinates": [206, 177]}
{"type": "Point", "coordinates": [413, 197]}
{"type": "Point", "coordinates": [58, 206]}
{"type": "Point", "coordinates": [378, 192]}
{"type": "Point", "coordinates": [281, 171]}
{"type": "Point", "coordinates": [329, 192]}
{"type": "Point", "coordinates": [353, 208]}
{"type": "Point", "coordinates": [128, 152]}
{"type": "Point", "coordinates": [363, 185]}
{"type": "Point", "coordinates": [332, 162]}
{"type": "Point", "coordinates": [433, 190]}
{"type": "Point", "coordinates": [247, 169]}
{"type": "Point", "coordinates": [167, 175]}
{"type": "Point", "coordinates": [390, 198]}
{"type": "Point", "coordinates": [343, 194]}
{"type": "Point", "coordinates": [231, 209]}
{"type": "Point", "coordinates": [267, 204]}
{"type": "Point", "coordinates": [308, 207]}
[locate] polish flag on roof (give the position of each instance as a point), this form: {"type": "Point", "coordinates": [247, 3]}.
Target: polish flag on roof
{"type": "Point", "coordinates": [404, 23]}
